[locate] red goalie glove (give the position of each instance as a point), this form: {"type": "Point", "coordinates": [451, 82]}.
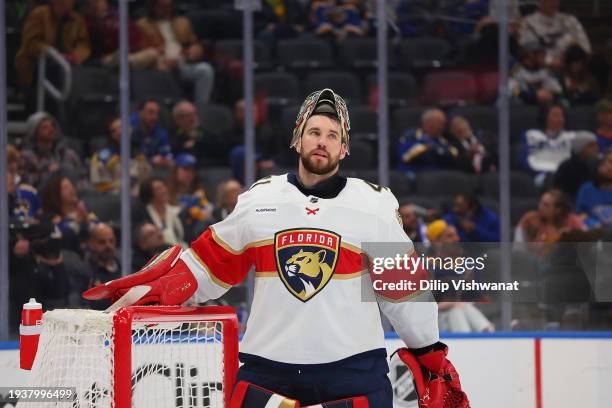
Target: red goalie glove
{"type": "Point", "coordinates": [170, 281]}
{"type": "Point", "coordinates": [435, 378]}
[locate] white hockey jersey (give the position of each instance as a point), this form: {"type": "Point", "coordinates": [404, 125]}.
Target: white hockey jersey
{"type": "Point", "coordinates": [307, 306]}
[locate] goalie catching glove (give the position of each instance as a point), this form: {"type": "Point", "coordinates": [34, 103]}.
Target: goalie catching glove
{"type": "Point", "coordinates": [435, 378]}
{"type": "Point", "coordinates": [168, 277]}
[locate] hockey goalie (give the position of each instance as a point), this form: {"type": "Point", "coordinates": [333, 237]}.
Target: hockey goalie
{"type": "Point", "coordinates": [310, 340]}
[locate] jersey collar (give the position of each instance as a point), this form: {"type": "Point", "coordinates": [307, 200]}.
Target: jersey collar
{"type": "Point", "coordinates": [329, 188]}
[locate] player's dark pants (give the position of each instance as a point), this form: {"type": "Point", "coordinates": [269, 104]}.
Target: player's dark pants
{"type": "Point", "coordinates": [314, 386]}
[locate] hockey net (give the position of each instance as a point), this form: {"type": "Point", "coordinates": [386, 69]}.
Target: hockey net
{"type": "Point", "coordinates": [139, 356]}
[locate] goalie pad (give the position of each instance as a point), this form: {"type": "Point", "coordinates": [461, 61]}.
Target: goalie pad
{"type": "Point", "coordinates": [435, 378]}
{"type": "Point", "coordinates": [248, 395]}
{"type": "Point", "coordinates": [170, 281]}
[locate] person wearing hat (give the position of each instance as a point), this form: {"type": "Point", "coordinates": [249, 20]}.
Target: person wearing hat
{"type": "Point", "coordinates": [530, 80]}
{"type": "Point", "coordinates": [604, 119]}
{"type": "Point", "coordinates": [456, 313]}
{"type": "Point", "coordinates": [577, 169]}
{"type": "Point", "coordinates": [187, 192]}
{"type": "Point", "coordinates": [311, 336]}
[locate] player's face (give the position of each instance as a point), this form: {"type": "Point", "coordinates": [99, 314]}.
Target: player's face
{"type": "Point", "coordinates": [321, 147]}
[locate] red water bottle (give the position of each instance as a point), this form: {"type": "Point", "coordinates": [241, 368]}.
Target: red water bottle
{"type": "Point", "coordinates": [29, 333]}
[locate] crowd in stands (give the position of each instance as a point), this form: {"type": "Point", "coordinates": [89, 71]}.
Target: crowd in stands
{"type": "Point", "coordinates": [187, 125]}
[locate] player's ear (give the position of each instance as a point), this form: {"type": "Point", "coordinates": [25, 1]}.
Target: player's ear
{"type": "Point", "coordinates": [343, 151]}
{"type": "Point", "coordinates": [298, 145]}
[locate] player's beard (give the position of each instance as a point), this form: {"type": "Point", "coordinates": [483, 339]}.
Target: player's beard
{"type": "Point", "coordinates": [319, 167]}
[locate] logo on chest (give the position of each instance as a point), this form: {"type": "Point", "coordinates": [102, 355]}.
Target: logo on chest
{"type": "Point", "coordinates": [306, 259]}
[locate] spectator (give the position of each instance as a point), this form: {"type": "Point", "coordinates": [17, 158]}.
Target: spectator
{"type": "Point", "coordinates": [543, 150]}
{"type": "Point", "coordinates": [554, 30]}
{"type": "Point", "coordinates": [604, 119]}
{"type": "Point", "coordinates": [414, 228]}
{"type": "Point", "coordinates": [23, 198]}
{"type": "Point", "coordinates": [553, 217]}
{"type": "Point", "coordinates": [46, 152]}
{"type": "Point", "coordinates": [426, 148]}
{"type": "Point", "coordinates": [181, 49]}
{"type": "Point", "coordinates": [149, 136]}
{"type": "Point", "coordinates": [189, 194]}
{"type": "Point", "coordinates": [101, 259]}
{"type": "Point", "coordinates": [39, 269]}
{"type": "Point", "coordinates": [52, 25]}
{"type": "Point", "coordinates": [103, 27]}
{"type": "Point", "coordinates": [579, 84]}
{"type": "Point", "coordinates": [267, 141]}
{"type": "Point", "coordinates": [338, 20]}
{"type": "Point", "coordinates": [105, 164]}
{"type": "Point", "coordinates": [191, 138]}
{"type": "Point", "coordinates": [69, 215]}
{"type": "Point", "coordinates": [155, 196]}
{"type": "Point", "coordinates": [227, 197]}
{"type": "Point", "coordinates": [279, 19]}
{"type": "Point", "coordinates": [473, 221]}
{"type": "Point", "coordinates": [595, 198]}
{"type": "Point", "coordinates": [149, 242]}
{"type": "Point", "coordinates": [530, 80]}
{"type": "Point", "coordinates": [456, 312]}
{"type": "Point", "coordinates": [101, 255]}
{"type": "Point", "coordinates": [576, 170]}
{"type": "Point", "coordinates": [472, 155]}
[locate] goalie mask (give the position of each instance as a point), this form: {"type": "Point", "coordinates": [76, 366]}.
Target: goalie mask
{"type": "Point", "coordinates": [323, 101]}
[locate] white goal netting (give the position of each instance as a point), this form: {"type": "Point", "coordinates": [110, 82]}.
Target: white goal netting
{"type": "Point", "coordinates": [175, 362]}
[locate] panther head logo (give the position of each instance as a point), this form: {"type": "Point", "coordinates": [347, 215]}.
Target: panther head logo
{"type": "Point", "coordinates": [306, 259]}
{"type": "Point", "coordinates": [309, 268]}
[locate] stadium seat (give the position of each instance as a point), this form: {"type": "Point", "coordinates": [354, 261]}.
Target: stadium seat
{"type": "Point", "coordinates": [344, 83]}
{"type": "Point", "coordinates": [361, 157]}
{"type": "Point", "coordinates": [287, 122]}
{"type": "Point", "coordinates": [522, 118]}
{"type": "Point", "coordinates": [217, 119]}
{"type": "Point", "coordinates": [212, 177]}
{"type": "Point", "coordinates": [448, 88]}
{"type": "Point", "coordinates": [483, 117]}
{"type": "Point", "coordinates": [519, 206]}
{"type": "Point", "coordinates": [405, 118]}
{"type": "Point", "coordinates": [305, 54]}
{"type": "Point", "coordinates": [156, 84]}
{"type": "Point", "coordinates": [362, 53]}
{"type": "Point", "coordinates": [581, 118]}
{"type": "Point", "coordinates": [234, 49]}
{"type": "Point", "coordinates": [280, 88]}
{"type": "Point", "coordinates": [444, 182]}
{"type": "Point", "coordinates": [401, 88]}
{"type": "Point", "coordinates": [488, 83]}
{"type": "Point", "coordinates": [364, 123]}
{"type": "Point", "coordinates": [215, 22]}
{"type": "Point", "coordinates": [399, 183]}
{"type": "Point", "coordinates": [106, 206]}
{"type": "Point", "coordinates": [92, 101]}
{"type": "Point", "coordinates": [424, 53]}
{"type": "Point", "coordinates": [521, 185]}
